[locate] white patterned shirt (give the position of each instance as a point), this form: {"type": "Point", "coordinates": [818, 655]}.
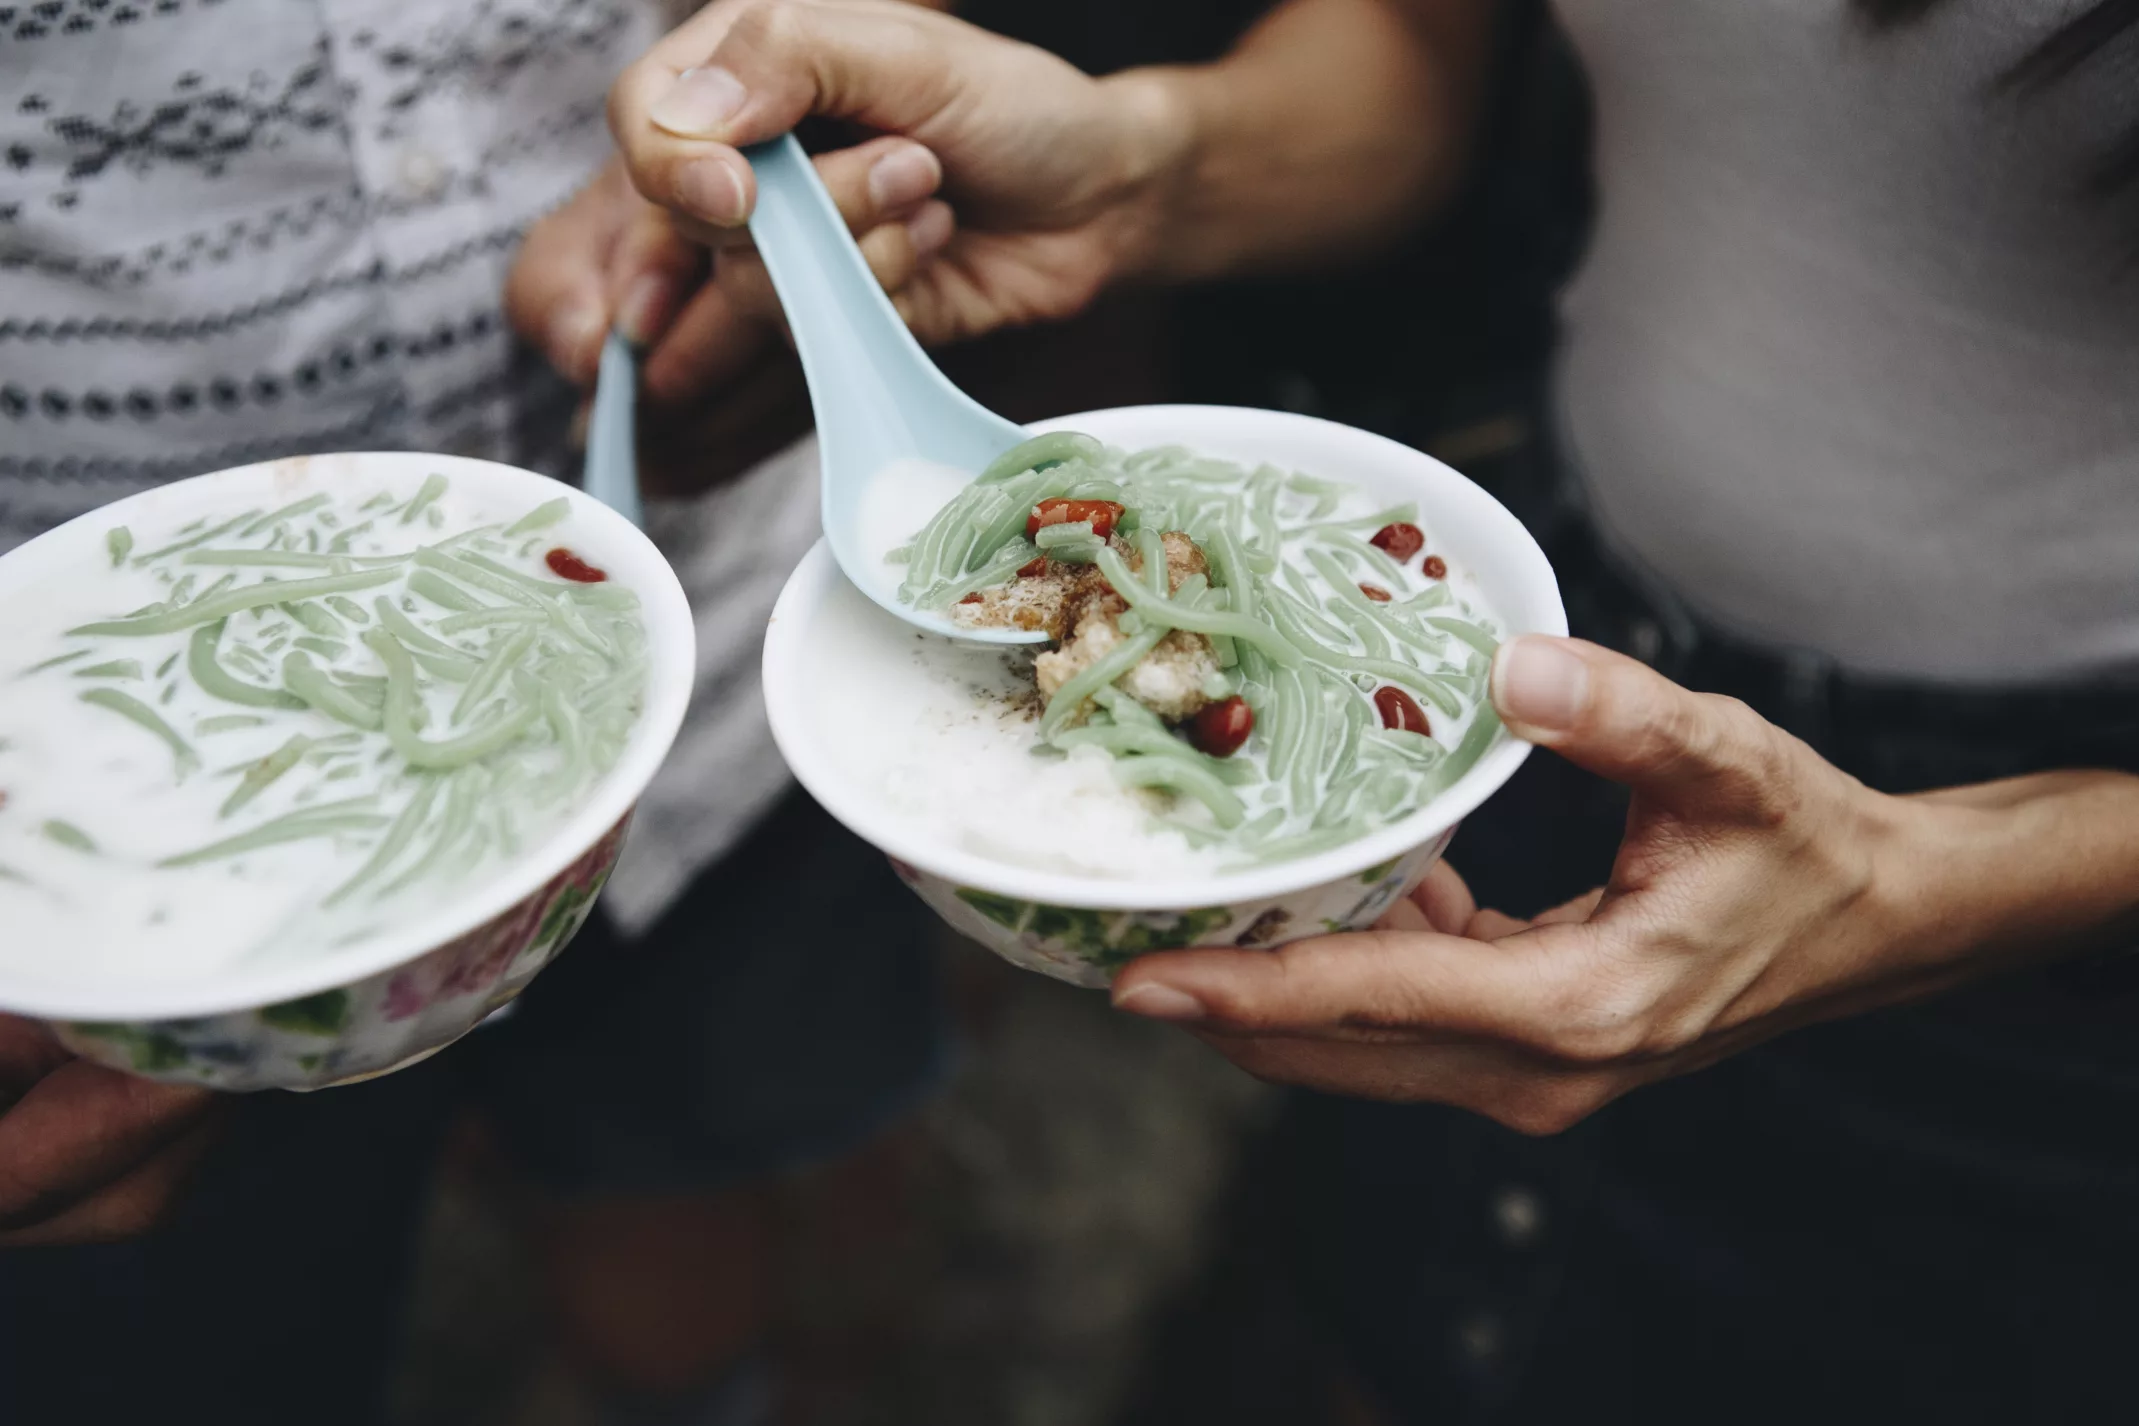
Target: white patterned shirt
{"type": "Point", "coordinates": [238, 229]}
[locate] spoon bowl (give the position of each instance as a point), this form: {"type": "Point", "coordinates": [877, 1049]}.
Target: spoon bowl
{"type": "Point", "coordinates": [880, 403]}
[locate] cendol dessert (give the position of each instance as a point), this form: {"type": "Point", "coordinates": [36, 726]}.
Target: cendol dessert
{"type": "Point", "coordinates": [262, 732]}
{"type": "Point", "coordinates": [1245, 664]}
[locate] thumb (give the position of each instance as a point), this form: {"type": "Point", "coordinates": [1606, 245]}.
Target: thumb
{"type": "Point", "coordinates": [740, 76]}
{"type": "Point", "coordinates": [1691, 752]}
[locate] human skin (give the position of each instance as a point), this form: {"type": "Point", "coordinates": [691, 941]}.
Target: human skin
{"type": "Point", "coordinates": [87, 1154]}
{"type": "Point", "coordinates": [720, 389]}
{"type": "Point", "coordinates": [1758, 888]}
{"type": "Point", "coordinates": [1329, 131]}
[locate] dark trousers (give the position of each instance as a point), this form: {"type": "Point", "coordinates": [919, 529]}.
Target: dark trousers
{"type": "Point", "coordinates": [783, 1009]}
{"type": "Point", "coordinates": [1927, 1214]}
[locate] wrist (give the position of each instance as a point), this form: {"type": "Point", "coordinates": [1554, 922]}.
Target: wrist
{"type": "Point", "coordinates": [1162, 121]}
{"type": "Point", "coordinates": [1914, 851]}
{"type": "Point", "coordinates": [2029, 870]}
{"type": "Point", "coordinates": [1885, 925]}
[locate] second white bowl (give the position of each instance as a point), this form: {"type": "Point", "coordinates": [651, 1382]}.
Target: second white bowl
{"type": "Point", "coordinates": [1083, 928]}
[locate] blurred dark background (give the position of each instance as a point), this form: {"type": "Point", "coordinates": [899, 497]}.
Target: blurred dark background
{"type": "Point", "coordinates": [1100, 1224]}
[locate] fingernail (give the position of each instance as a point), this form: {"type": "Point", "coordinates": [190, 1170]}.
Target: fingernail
{"type": "Point", "coordinates": [712, 190]}
{"type": "Point", "coordinates": [1159, 1002]}
{"type": "Point", "coordinates": [904, 176]}
{"type": "Point", "coordinates": [575, 333]}
{"type": "Point", "coordinates": [699, 103]}
{"type": "Point", "coordinates": [1541, 683]}
{"type": "Point", "coordinates": [644, 308]}
{"type": "Point", "coordinates": [931, 228]}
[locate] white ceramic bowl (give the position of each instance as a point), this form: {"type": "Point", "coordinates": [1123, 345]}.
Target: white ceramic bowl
{"type": "Point", "coordinates": [372, 1008]}
{"type": "Point", "coordinates": [1082, 928]}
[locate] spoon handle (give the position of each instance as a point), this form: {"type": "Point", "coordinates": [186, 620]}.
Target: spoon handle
{"type": "Point", "coordinates": [612, 470]}
{"type": "Point", "coordinates": [868, 377]}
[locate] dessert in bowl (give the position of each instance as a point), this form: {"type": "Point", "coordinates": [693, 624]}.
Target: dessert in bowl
{"type": "Point", "coordinates": [1260, 714]}
{"type": "Point", "coordinates": [309, 766]}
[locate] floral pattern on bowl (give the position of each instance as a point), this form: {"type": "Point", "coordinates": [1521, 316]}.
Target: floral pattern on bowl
{"type": "Point", "coordinates": [1086, 946]}
{"type": "Point", "coordinates": [375, 1025]}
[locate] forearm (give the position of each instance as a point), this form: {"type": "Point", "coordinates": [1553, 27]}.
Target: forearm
{"type": "Point", "coordinates": [1334, 127]}
{"type": "Point", "coordinates": [2030, 869]}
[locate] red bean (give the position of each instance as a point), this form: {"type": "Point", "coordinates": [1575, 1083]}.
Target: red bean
{"type": "Point", "coordinates": [566, 565]}
{"type": "Point", "coordinates": [1399, 542]}
{"type": "Point", "coordinates": [1400, 710]}
{"type": "Point", "coordinates": [1033, 568]}
{"type": "Point", "coordinates": [1436, 567]}
{"type": "Point", "coordinates": [1221, 728]}
{"type": "Point", "coordinates": [973, 598]}
{"type": "Point", "coordinates": [1375, 592]}
{"type": "Point", "coordinates": [1102, 514]}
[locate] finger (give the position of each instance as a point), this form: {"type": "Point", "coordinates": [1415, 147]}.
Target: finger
{"type": "Point", "coordinates": [652, 273]}
{"type": "Point", "coordinates": [1374, 986]}
{"type": "Point", "coordinates": [739, 77]}
{"type": "Point", "coordinates": [709, 345]}
{"type": "Point", "coordinates": [575, 436]}
{"type": "Point", "coordinates": [1445, 899]}
{"type": "Point", "coordinates": [766, 410]}
{"type": "Point", "coordinates": [742, 277]}
{"type": "Point", "coordinates": [1570, 912]}
{"type": "Point", "coordinates": [985, 281]}
{"type": "Point", "coordinates": [1491, 925]}
{"type": "Point", "coordinates": [128, 1207]}
{"type": "Point", "coordinates": [1607, 713]}
{"type": "Point", "coordinates": [555, 294]}
{"type": "Point", "coordinates": [1526, 1095]}
{"type": "Point", "coordinates": [82, 1127]}
{"type": "Point", "coordinates": [894, 251]}
{"type": "Point", "coordinates": [879, 181]}
{"type": "Point", "coordinates": [28, 1053]}
{"type": "Point", "coordinates": [1405, 915]}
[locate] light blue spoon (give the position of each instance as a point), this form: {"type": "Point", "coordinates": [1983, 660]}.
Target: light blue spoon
{"type": "Point", "coordinates": [612, 470]}
{"type": "Point", "coordinates": [878, 397]}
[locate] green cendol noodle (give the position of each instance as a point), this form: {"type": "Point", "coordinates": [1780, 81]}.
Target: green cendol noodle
{"type": "Point", "coordinates": [1294, 635]}
{"type": "Point", "coordinates": [438, 698]}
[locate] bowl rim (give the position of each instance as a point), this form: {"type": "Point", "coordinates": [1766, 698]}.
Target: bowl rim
{"type": "Point", "coordinates": [819, 574]}
{"type": "Point", "coordinates": [671, 671]}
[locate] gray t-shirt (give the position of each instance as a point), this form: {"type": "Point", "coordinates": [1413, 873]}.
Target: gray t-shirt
{"type": "Point", "coordinates": [1852, 365]}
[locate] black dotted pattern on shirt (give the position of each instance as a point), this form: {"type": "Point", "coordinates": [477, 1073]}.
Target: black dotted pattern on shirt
{"type": "Point", "coordinates": [282, 304]}
{"type": "Point", "coordinates": [388, 416]}
{"type": "Point", "coordinates": [47, 18]}
{"type": "Point", "coordinates": [265, 231]}
{"type": "Point", "coordinates": [198, 129]}
{"type": "Point", "coordinates": [487, 47]}
{"type": "Point", "coordinates": [103, 470]}
{"type": "Point", "coordinates": [344, 361]}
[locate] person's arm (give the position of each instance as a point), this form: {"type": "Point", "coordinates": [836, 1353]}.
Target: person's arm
{"type": "Point", "coordinates": [1758, 888]}
{"type": "Point", "coordinates": [1333, 128]}
{"type": "Point", "coordinates": [1334, 124]}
